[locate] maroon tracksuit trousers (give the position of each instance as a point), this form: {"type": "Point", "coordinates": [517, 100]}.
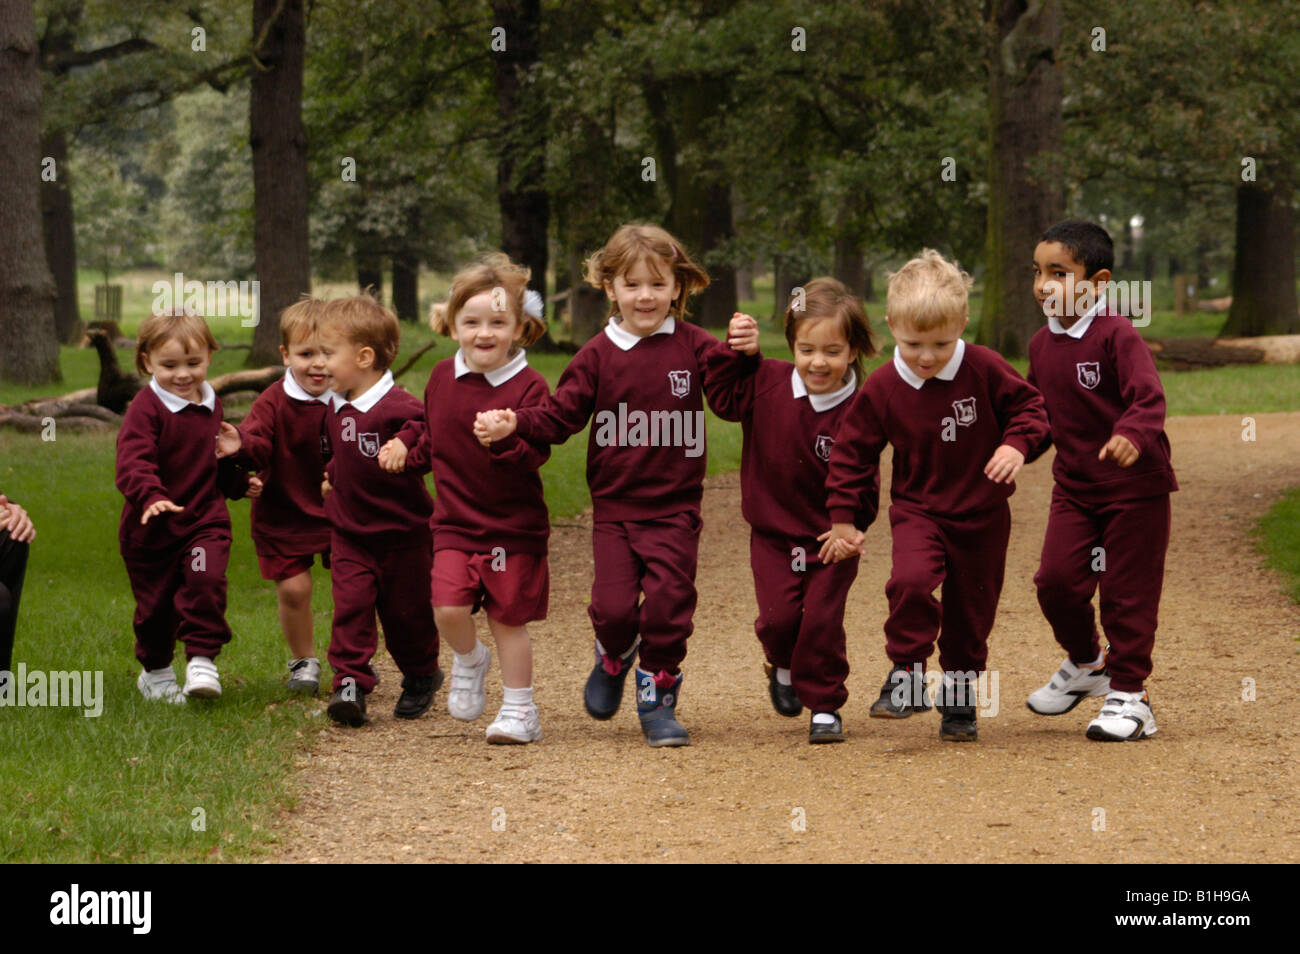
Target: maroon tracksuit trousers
{"type": "Point", "coordinates": [967, 557]}
{"type": "Point", "coordinates": [181, 595]}
{"type": "Point", "coordinates": [655, 557]}
{"type": "Point", "coordinates": [801, 619]}
{"type": "Point", "coordinates": [393, 580]}
{"type": "Point", "coordinates": [1132, 536]}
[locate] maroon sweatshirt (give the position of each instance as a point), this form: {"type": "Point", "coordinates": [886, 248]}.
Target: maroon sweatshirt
{"type": "Point", "coordinates": [646, 448]}
{"type": "Point", "coordinates": [943, 433]}
{"type": "Point", "coordinates": [1100, 381]}
{"type": "Point", "coordinates": [366, 501]}
{"type": "Point", "coordinates": [284, 441]}
{"type": "Point", "coordinates": [789, 434]}
{"type": "Point", "coordinates": [484, 498]}
{"type": "Point", "coordinates": [172, 455]}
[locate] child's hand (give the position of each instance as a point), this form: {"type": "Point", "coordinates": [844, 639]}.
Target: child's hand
{"type": "Point", "coordinates": [392, 456]}
{"type": "Point", "coordinates": [492, 426]}
{"type": "Point", "coordinates": [255, 487]}
{"type": "Point", "coordinates": [742, 334]}
{"type": "Point", "coordinates": [325, 487]}
{"type": "Point", "coordinates": [228, 441]}
{"type": "Point", "coordinates": [1121, 450]}
{"type": "Point", "coordinates": [157, 507]}
{"type": "Point", "coordinates": [14, 519]}
{"type": "Point", "coordinates": [1004, 464]}
{"type": "Point", "coordinates": [842, 541]}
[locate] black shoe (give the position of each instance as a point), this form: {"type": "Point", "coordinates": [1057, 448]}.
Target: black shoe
{"type": "Point", "coordinates": [417, 695]}
{"type": "Point", "coordinates": [826, 731]}
{"type": "Point", "coordinates": [956, 705]}
{"type": "Point", "coordinates": [348, 706]}
{"type": "Point", "coordinates": [784, 699]}
{"type": "Point", "coordinates": [604, 691]}
{"type": "Point", "coordinates": [902, 694]}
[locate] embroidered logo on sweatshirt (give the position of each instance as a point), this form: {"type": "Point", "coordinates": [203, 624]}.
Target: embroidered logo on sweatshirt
{"type": "Point", "coordinates": [368, 444]}
{"type": "Point", "coordinates": [1089, 373]}
{"type": "Point", "coordinates": [681, 382]}
{"type": "Point", "coordinates": [964, 410]}
{"type": "Point", "coordinates": [823, 446]}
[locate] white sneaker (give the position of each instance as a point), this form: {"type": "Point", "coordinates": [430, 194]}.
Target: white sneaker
{"type": "Point", "coordinates": [304, 675]}
{"type": "Point", "coordinates": [515, 725]}
{"type": "Point", "coordinates": [201, 680]}
{"type": "Point", "coordinates": [1124, 716]}
{"type": "Point", "coordinates": [159, 684]}
{"type": "Point", "coordinates": [1069, 686]}
{"type": "Point", "coordinates": [467, 697]}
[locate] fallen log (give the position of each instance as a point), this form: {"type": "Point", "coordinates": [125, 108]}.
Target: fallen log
{"type": "Point", "coordinates": [1184, 354]}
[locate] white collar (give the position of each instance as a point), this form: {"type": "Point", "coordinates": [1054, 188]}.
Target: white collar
{"type": "Point", "coordinates": [1080, 327]}
{"type": "Point", "coordinates": [497, 376]}
{"type": "Point", "coordinates": [368, 400]}
{"type": "Point", "coordinates": [626, 340]}
{"type": "Point", "coordinates": [299, 393]}
{"type": "Point", "coordinates": [946, 373]}
{"type": "Point", "coordinates": [823, 402]}
{"type": "Point", "coordinates": [174, 402]}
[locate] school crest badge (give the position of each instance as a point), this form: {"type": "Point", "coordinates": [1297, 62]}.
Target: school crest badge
{"type": "Point", "coordinates": [325, 446]}
{"type": "Point", "coordinates": [823, 446]}
{"type": "Point", "coordinates": [964, 411]}
{"type": "Point", "coordinates": [681, 383]}
{"type": "Point", "coordinates": [1089, 373]}
{"type": "Point", "coordinates": [368, 444]}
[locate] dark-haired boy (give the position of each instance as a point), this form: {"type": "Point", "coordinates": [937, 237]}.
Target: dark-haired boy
{"type": "Point", "coordinates": [1108, 528]}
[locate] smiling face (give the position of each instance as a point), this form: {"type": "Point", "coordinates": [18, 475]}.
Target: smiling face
{"type": "Point", "coordinates": [485, 334]}
{"type": "Point", "coordinates": [926, 352]}
{"type": "Point", "coordinates": [822, 354]}
{"type": "Point", "coordinates": [347, 364]}
{"type": "Point", "coordinates": [643, 294]}
{"type": "Point", "coordinates": [180, 367]}
{"type": "Point", "coordinates": [1062, 286]}
{"type": "Point", "coordinates": [306, 362]}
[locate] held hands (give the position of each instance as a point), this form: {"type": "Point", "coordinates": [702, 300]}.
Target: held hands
{"type": "Point", "coordinates": [228, 441]}
{"type": "Point", "coordinates": [742, 334]}
{"type": "Point", "coordinates": [1121, 450]}
{"type": "Point", "coordinates": [157, 507]}
{"type": "Point", "coordinates": [1004, 464]}
{"type": "Point", "coordinates": [325, 487]}
{"type": "Point", "coordinates": [14, 519]}
{"type": "Point", "coordinates": [843, 540]}
{"type": "Point", "coordinates": [392, 456]}
{"type": "Point", "coordinates": [255, 487]}
{"type": "Point", "coordinates": [492, 426]}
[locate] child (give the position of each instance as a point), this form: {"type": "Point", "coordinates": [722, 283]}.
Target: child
{"type": "Point", "coordinates": [1109, 521]}
{"type": "Point", "coordinates": [380, 548]}
{"type": "Point", "coordinates": [962, 423]}
{"type": "Point", "coordinates": [16, 536]}
{"type": "Point", "coordinates": [175, 530]}
{"type": "Point", "coordinates": [490, 524]}
{"type": "Point", "coordinates": [283, 439]}
{"type": "Point", "coordinates": [645, 465]}
{"type": "Point", "coordinates": [790, 414]}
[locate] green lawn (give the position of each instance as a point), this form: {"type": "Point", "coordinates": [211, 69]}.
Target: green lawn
{"type": "Point", "coordinates": [1279, 537]}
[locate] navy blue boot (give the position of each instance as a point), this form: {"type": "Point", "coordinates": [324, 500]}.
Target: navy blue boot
{"type": "Point", "coordinates": [604, 692]}
{"type": "Point", "coordinates": [656, 702]}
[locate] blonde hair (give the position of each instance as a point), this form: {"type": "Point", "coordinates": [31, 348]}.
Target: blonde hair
{"type": "Point", "coordinates": [487, 275]}
{"type": "Point", "coordinates": [299, 321]}
{"type": "Point", "coordinates": [366, 324]}
{"type": "Point", "coordinates": [639, 242]}
{"type": "Point", "coordinates": [178, 324]}
{"type": "Point", "coordinates": [827, 298]}
{"type": "Point", "coordinates": [927, 293]}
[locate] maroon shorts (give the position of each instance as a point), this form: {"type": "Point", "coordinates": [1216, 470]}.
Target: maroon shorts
{"type": "Point", "coordinates": [513, 589]}
{"type": "Point", "coordinates": [282, 566]}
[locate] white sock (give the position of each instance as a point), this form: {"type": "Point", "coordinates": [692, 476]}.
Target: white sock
{"type": "Point", "coordinates": [824, 718]}
{"type": "Point", "coordinates": [783, 676]}
{"type": "Point", "coordinates": [518, 697]}
{"type": "Point", "coordinates": [473, 657]}
{"type": "Point", "coordinates": [1096, 663]}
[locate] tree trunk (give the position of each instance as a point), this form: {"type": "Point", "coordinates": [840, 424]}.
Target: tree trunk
{"type": "Point", "coordinates": [1263, 272]}
{"type": "Point", "coordinates": [1025, 181]}
{"type": "Point", "coordinates": [521, 162]}
{"type": "Point", "coordinates": [61, 240]}
{"type": "Point", "coordinates": [850, 265]}
{"type": "Point", "coordinates": [406, 286]}
{"type": "Point", "coordinates": [786, 278]}
{"type": "Point", "coordinates": [281, 251]}
{"type": "Point", "coordinates": [370, 275]}
{"type": "Point", "coordinates": [29, 351]}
